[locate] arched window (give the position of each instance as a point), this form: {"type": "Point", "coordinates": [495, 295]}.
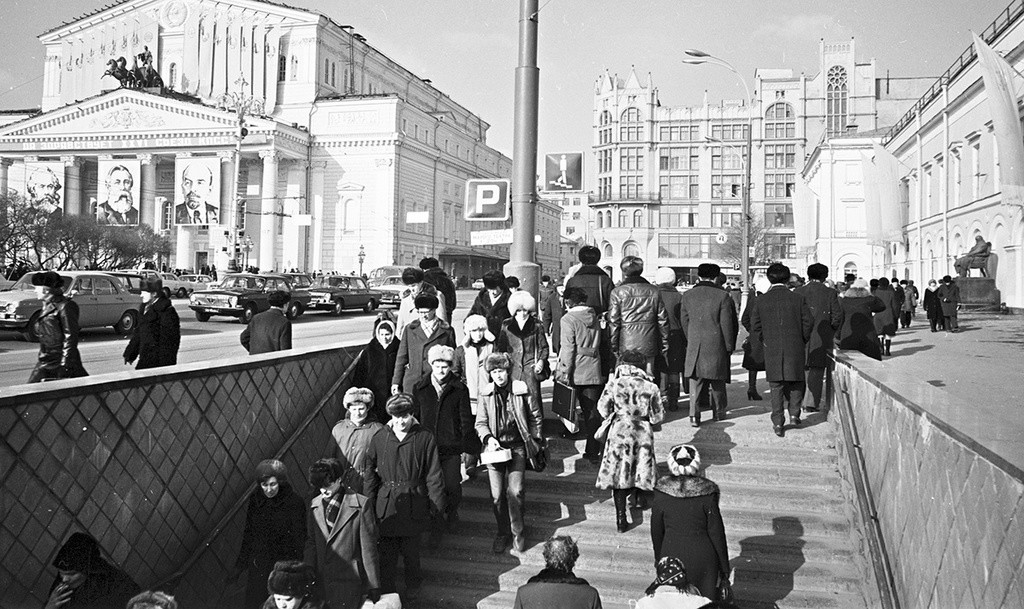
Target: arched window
{"type": "Point", "coordinates": [631, 249]}
{"type": "Point", "coordinates": [172, 76]}
{"type": "Point", "coordinates": [623, 218]}
{"type": "Point", "coordinates": [631, 115]}
{"type": "Point", "coordinates": [630, 127]}
{"type": "Point", "coordinates": [638, 219]}
{"type": "Point", "coordinates": [835, 100]}
{"type": "Point", "coordinates": [850, 268]}
{"type": "Point", "coordinates": [282, 68]}
{"type": "Point", "coordinates": [608, 219]}
{"type": "Point", "coordinates": [609, 253]}
{"type": "Point", "coordinates": [350, 215]}
{"type": "Point", "coordinates": [779, 121]}
{"type": "Point", "coordinates": [606, 118]}
{"type": "Point", "coordinates": [600, 219]}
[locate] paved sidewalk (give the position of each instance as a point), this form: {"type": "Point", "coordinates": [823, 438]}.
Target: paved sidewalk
{"type": "Point", "coordinates": [971, 379]}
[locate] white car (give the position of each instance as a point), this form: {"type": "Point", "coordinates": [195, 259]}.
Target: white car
{"type": "Point", "coordinates": [196, 282]}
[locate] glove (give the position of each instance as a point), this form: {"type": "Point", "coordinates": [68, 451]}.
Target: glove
{"type": "Point", "coordinates": [373, 595]}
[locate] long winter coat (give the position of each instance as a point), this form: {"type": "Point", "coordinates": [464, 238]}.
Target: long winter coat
{"type": "Point", "coordinates": [673, 302]}
{"type": "Point", "coordinates": [375, 371]}
{"type": "Point", "coordinates": [106, 586]}
{"type": "Point", "coordinates": [687, 523]}
{"type": "Point", "coordinates": [57, 330]}
{"type": "Point", "coordinates": [411, 363]}
{"type": "Point", "coordinates": [638, 319]}
{"type": "Point", "coordinates": [858, 331]}
{"type": "Point", "coordinates": [267, 332]}
{"type": "Point", "coordinates": [932, 306]}
{"type": "Point", "coordinates": [526, 346]}
{"type": "Point", "coordinates": [351, 445]}
{"type": "Point", "coordinates": [495, 311]}
{"type": "Point", "coordinates": [635, 402]}
{"type": "Point", "coordinates": [469, 365]}
{"type": "Point", "coordinates": [404, 480]}
{"type": "Point", "coordinates": [753, 348]}
{"type": "Point", "coordinates": [343, 553]}
{"type": "Point", "coordinates": [828, 318]}
{"type": "Point", "coordinates": [595, 283]}
{"type": "Point", "coordinates": [949, 298]}
{"type": "Point", "coordinates": [708, 317]}
{"type": "Point", "coordinates": [579, 359]}
{"type": "Point", "coordinates": [156, 339]}
{"type": "Point", "coordinates": [785, 322]}
{"type": "Point", "coordinates": [447, 416]}
{"type": "Point", "coordinates": [885, 321]}
{"type": "Point", "coordinates": [275, 529]}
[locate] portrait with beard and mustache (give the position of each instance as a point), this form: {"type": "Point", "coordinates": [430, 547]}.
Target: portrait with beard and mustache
{"type": "Point", "coordinates": [119, 208]}
{"type": "Point", "coordinates": [196, 188]}
{"type": "Point", "coordinates": [44, 192]}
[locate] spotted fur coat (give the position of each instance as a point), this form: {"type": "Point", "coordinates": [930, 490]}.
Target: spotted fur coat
{"type": "Point", "coordinates": [635, 402]}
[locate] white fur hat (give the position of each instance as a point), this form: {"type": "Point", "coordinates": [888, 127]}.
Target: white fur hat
{"type": "Point", "coordinates": [521, 300]}
{"type": "Point", "coordinates": [665, 275]}
{"type": "Point", "coordinates": [440, 352]}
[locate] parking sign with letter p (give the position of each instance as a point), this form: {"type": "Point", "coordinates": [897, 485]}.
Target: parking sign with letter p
{"type": "Point", "coordinates": [487, 200]}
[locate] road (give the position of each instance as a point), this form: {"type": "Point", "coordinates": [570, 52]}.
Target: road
{"type": "Point", "coordinates": [217, 339]}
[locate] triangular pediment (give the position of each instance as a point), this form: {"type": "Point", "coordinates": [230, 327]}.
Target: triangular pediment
{"type": "Point", "coordinates": [125, 111]}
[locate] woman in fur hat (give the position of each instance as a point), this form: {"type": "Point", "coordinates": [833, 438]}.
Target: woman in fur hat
{"type": "Point", "coordinates": [858, 331]}
{"type": "Point", "coordinates": [85, 580]}
{"type": "Point", "coordinates": [686, 522]}
{"type": "Point", "coordinates": [376, 367]}
{"type": "Point", "coordinates": [57, 330]}
{"type": "Point", "coordinates": [275, 529]}
{"type": "Point", "coordinates": [633, 402]}
{"type": "Point", "coordinates": [522, 337]}
{"type": "Point", "coordinates": [469, 366]}
{"type": "Point", "coordinates": [293, 585]}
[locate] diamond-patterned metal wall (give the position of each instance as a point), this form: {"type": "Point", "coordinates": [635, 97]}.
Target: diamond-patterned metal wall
{"type": "Point", "coordinates": [149, 464]}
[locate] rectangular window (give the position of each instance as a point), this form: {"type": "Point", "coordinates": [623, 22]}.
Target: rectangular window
{"type": "Point", "coordinates": [679, 133]}
{"type": "Point", "coordinates": [779, 185]}
{"type": "Point", "coordinates": [726, 186]}
{"type": "Point", "coordinates": [630, 186]}
{"type": "Point", "coordinates": [678, 217]}
{"type": "Point", "coordinates": [575, 215]}
{"type": "Point", "coordinates": [631, 133]}
{"type": "Point", "coordinates": [780, 247]}
{"type": "Point", "coordinates": [723, 216]}
{"type": "Point", "coordinates": [778, 215]}
{"type": "Point", "coordinates": [631, 159]}
{"type": "Point", "coordinates": [779, 156]}
{"type": "Point", "coordinates": [955, 170]}
{"type": "Point", "coordinates": [604, 136]}
{"type": "Point", "coordinates": [729, 132]}
{"type": "Point", "coordinates": [728, 159]}
{"type": "Point", "coordinates": [678, 187]}
{"type": "Point", "coordinates": [604, 189]}
{"type": "Point", "coordinates": [975, 170]}
{"type": "Point", "coordinates": [929, 199]}
{"type": "Point", "coordinates": [604, 160]}
{"type": "Point", "coordinates": [681, 246]}
{"type": "Point", "coordinates": [679, 159]}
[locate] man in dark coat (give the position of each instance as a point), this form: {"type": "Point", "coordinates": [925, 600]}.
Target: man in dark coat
{"type": "Point", "coordinates": [405, 484]}
{"type": "Point", "coordinates": [270, 330]}
{"type": "Point", "coordinates": [828, 318]}
{"type": "Point", "coordinates": [551, 311]}
{"type": "Point", "coordinates": [556, 585]}
{"type": "Point", "coordinates": [637, 315]}
{"type": "Point", "coordinates": [156, 338]}
{"type": "Point", "coordinates": [418, 337]}
{"type": "Point", "coordinates": [785, 322]}
{"type": "Point", "coordinates": [707, 315]}
{"type": "Point", "coordinates": [670, 368]}
{"type": "Point", "coordinates": [492, 301]}
{"type": "Point", "coordinates": [85, 580]}
{"type": "Point", "coordinates": [435, 276]}
{"type": "Point", "coordinates": [592, 280]}
{"type": "Point", "coordinates": [949, 300]}
{"type": "Point", "coordinates": [441, 405]}
{"type": "Point", "coordinates": [56, 328]}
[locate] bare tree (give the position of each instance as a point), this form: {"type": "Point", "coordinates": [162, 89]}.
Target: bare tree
{"type": "Point", "coordinates": [731, 251]}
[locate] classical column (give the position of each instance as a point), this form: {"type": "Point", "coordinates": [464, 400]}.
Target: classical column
{"type": "Point", "coordinates": [222, 239]}
{"type": "Point", "coordinates": [5, 165]}
{"type": "Point", "coordinates": [147, 191]}
{"type": "Point", "coordinates": [293, 250]}
{"type": "Point", "coordinates": [316, 196]}
{"type": "Point", "coordinates": [268, 209]}
{"type": "Point", "coordinates": [72, 185]}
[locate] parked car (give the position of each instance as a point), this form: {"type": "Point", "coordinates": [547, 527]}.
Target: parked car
{"type": "Point", "coordinates": [478, 284]}
{"type": "Point", "coordinates": [335, 293]}
{"type": "Point", "coordinates": [132, 281]}
{"type": "Point", "coordinates": [301, 281]}
{"type": "Point", "coordinates": [102, 299]}
{"type": "Point", "coordinates": [392, 289]}
{"type": "Point", "coordinates": [243, 295]}
{"type": "Point", "coordinates": [173, 285]}
{"type": "Point", "coordinates": [378, 275]}
{"type": "Point", "coordinates": [196, 282]}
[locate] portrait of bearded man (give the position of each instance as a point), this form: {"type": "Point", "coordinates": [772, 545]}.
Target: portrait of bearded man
{"type": "Point", "coordinates": [119, 207]}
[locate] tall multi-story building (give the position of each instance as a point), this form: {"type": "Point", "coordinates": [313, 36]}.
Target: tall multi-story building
{"type": "Point", "coordinates": [670, 179]}
{"type": "Point", "coordinates": [350, 152]}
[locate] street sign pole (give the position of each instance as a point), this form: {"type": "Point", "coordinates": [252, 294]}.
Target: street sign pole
{"type": "Point", "coordinates": [524, 153]}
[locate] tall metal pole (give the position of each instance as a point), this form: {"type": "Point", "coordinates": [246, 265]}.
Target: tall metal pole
{"type": "Point", "coordinates": [524, 153]}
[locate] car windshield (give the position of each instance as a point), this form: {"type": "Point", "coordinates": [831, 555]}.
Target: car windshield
{"type": "Point", "coordinates": [393, 281]}
{"type": "Point", "coordinates": [25, 283]}
{"type": "Point", "coordinates": [236, 283]}
{"type": "Point", "coordinates": [332, 282]}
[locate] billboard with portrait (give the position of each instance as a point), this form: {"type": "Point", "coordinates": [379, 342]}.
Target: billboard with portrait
{"type": "Point", "coordinates": [563, 171]}
{"type": "Point", "coordinates": [197, 191]}
{"type": "Point", "coordinates": [44, 188]}
{"type": "Point", "coordinates": [118, 191]}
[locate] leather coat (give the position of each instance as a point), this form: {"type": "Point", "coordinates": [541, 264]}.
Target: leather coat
{"type": "Point", "coordinates": [638, 319]}
{"type": "Point", "coordinates": [57, 330]}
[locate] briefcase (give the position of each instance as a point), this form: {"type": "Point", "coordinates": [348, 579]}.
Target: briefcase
{"type": "Point", "coordinates": [563, 404]}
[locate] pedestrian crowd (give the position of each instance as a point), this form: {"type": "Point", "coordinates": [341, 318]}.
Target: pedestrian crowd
{"type": "Point", "coordinates": [425, 414]}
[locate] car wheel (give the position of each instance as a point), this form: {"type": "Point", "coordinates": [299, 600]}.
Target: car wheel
{"type": "Point", "coordinates": [182, 292]}
{"type": "Point", "coordinates": [167, 292]}
{"type": "Point", "coordinates": [248, 314]}
{"type": "Point", "coordinates": [371, 306]}
{"type": "Point", "coordinates": [294, 310]}
{"type": "Point", "coordinates": [339, 307]}
{"type": "Point", "coordinates": [126, 325]}
{"type": "Point", "coordinates": [29, 333]}
{"type": "Point", "coordinates": [202, 317]}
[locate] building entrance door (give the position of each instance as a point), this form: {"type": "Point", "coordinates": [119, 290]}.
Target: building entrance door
{"type": "Point", "coordinates": [202, 259]}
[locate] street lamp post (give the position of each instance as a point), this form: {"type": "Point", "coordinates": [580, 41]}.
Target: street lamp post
{"type": "Point", "coordinates": [247, 246]}
{"type": "Point", "coordinates": [362, 257]}
{"type": "Point", "coordinates": [697, 57]}
{"type": "Point", "coordinates": [243, 105]}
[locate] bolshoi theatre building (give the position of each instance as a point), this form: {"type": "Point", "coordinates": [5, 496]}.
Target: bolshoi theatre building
{"type": "Point", "coordinates": [339, 149]}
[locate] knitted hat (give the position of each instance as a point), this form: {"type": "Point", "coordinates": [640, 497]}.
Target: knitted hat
{"type": "Point", "coordinates": [497, 360]}
{"type": "Point", "coordinates": [521, 300]}
{"type": "Point", "coordinates": [671, 572]}
{"type": "Point", "coordinates": [78, 553]}
{"type": "Point", "coordinates": [271, 468]}
{"type": "Point", "coordinates": [358, 395]}
{"type": "Point", "coordinates": [440, 352]}
{"type": "Point", "coordinates": [684, 460]}
{"type": "Point", "coordinates": [292, 578]}
{"type": "Point", "coordinates": [426, 301]}
{"type": "Point", "coordinates": [48, 279]}
{"type": "Point", "coordinates": [399, 405]}
{"type": "Point", "coordinates": [665, 275]}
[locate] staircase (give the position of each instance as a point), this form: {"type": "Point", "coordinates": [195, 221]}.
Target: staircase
{"type": "Point", "coordinates": [791, 535]}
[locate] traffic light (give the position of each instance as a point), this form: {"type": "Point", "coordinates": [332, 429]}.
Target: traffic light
{"type": "Point", "coordinates": [240, 214]}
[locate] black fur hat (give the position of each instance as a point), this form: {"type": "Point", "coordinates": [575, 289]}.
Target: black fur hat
{"type": "Point", "coordinates": [292, 578]}
{"type": "Point", "coordinates": [48, 279]}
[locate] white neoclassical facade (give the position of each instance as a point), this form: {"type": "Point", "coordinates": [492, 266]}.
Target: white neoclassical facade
{"type": "Point", "coordinates": [351, 152]}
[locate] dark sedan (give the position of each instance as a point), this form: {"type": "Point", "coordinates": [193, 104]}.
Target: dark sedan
{"type": "Point", "coordinates": [335, 293]}
{"type": "Point", "coordinates": [243, 295]}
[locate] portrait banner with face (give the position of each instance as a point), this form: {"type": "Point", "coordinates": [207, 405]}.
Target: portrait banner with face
{"type": "Point", "coordinates": [197, 191]}
{"type": "Point", "coordinates": [118, 191]}
{"type": "Point", "coordinates": [44, 187]}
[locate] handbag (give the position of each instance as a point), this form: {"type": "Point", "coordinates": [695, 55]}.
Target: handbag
{"type": "Point", "coordinates": [601, 435]}
{"type": "Point", "coordinates": [545, 370]}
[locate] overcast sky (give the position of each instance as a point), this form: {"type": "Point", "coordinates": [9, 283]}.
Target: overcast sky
{"type": "Point", "coordinates": [468, 47]}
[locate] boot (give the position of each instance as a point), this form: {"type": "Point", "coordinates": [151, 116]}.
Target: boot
{"type": "Point", "coordinates": [619, 496]}
{"type": "Point", "coordinates": [888, 346]}
{"type": "Point", "coordinates": [752, 393]}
